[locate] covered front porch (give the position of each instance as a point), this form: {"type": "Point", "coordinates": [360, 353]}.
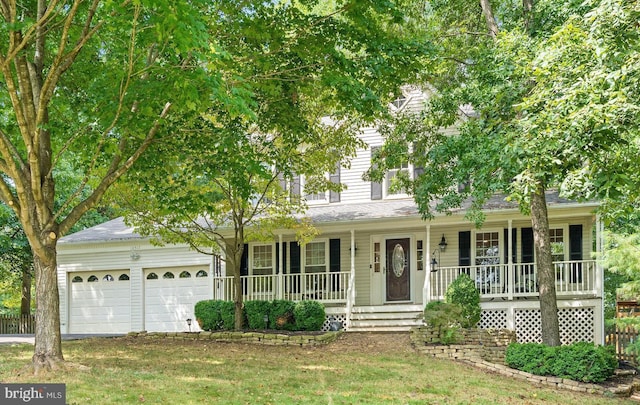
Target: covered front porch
{"type": "Point", "coordinates": [574, 279]}
{"type": "Point", "coordinates": [514, 282]}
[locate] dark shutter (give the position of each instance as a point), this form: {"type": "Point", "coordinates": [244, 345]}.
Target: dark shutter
{"type": "Point", "coordinates": [244, 267]}
{"type": "Point", "coordinates": [334, 263]}
{"type": "Point", "coordinates": [376, 188]}
{"type": "Point", "coordinates": [244, 261]}
{"type": "Point", "coordinates": [334, 196]}
{"type": "Point", "coordinates": [334, 255]}
{"type": "Point", "coordinates": [526, 238]}
{"type": "Point", "coordinates": [464, 248]}
{"type": "Point", "coordinates": [294, 263]}
{"type": "Point", "coordinates": [295, 187]}
{"type": "Point", "coordinates": [575, 252]}
{"type": "Point", "coordinates": [282, 181]}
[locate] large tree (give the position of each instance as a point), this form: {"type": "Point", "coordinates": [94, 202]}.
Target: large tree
{"type": "Point", "coordinates": [515, 80]}
{"type": "Point", "coordinates": [89, 83]}
{"type": "Point", "coordinates": [299, 64]}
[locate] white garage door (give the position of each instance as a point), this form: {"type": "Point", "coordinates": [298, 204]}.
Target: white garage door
{"type": "Point", "coordinates": [100, 302]}
{"type": "Point", "coordinates": [170, 297]}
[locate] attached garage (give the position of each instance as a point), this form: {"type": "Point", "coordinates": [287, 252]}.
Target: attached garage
{"type": "Point", "coordinates": [170, 296]}
{"type": "Point", "coordinates": [100, 302]}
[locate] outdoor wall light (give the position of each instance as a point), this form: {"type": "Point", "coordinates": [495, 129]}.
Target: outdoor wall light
{"type": "Point", "coordinates": [189, 323]}
{"type": "Point", "coordinates": [434, 262]}
{"type": "Point", "coordinates": [442, 244]}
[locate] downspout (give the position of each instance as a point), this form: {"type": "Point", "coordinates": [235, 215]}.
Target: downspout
{"type": "Point", "coordinates": [351, 291]}
{"type": "Point", "coordinates": [426, 265]}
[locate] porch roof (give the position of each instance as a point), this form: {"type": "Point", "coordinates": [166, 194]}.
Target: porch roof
{"type": "Point", "coordinates": [117, 230]}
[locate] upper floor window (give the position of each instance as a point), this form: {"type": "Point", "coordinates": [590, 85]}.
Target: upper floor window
{"type": "Point", "coordinates": [390, 188]}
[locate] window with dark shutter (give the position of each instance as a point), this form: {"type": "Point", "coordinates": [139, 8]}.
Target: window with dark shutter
{"type": "Point", "coordinates": [294, 267]}
{"type": "Point", "coordinates": [464, 248]}
{"type": "Point", "coordinates": [334, 196]}
{"type": "Point", "coordinates": [376, 188]}
{"type": "Point", "coordinates": [575, 253]}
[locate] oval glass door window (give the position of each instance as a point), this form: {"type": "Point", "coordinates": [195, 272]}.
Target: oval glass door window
{"type": "Point", "coordinates": [398, 260]}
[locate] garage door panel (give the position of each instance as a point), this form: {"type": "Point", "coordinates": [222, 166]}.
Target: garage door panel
{"type": "Point", "coordinates": [100, 306]}
{"type": "Point", "coordinates": [170, 302]}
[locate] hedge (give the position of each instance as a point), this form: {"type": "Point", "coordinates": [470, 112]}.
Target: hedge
{"type": "Point", "coordinates": [281, 315]}
{"type": "Point", "coordinates": [580, 361]}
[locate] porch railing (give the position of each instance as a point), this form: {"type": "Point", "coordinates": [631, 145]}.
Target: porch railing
{"type": "Point", "coordinates": [324, 287]}
{"type": "Point", "coordinates": [519, 280]}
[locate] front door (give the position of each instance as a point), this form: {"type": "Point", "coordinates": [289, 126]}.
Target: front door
{"type": "Point", "coordinates": [397, 274]}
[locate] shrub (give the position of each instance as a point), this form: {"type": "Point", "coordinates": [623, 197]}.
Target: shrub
{"type": "Point", "coordinates": [215, 315]}
{"type": "Point", "coordinates": [533, 358]}
{"type": "Point", "coordinates": [281, 315]}
{"type": "Point", "coordinates": [255, 312]}
{"type": "Point", "coordinates": [309, 315]}
{"type": "Point", "coordinates": [580, 361]}
{"type": "Point", "coordinates": [446, 317]}
{"type": "Point", "coordinates": [463, 292]}
{"type": "Point", "coordinates": [584, 361]}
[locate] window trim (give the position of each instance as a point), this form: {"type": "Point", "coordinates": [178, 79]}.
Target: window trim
{"type": "Point", "coordinates": [252, 266]}
{"type": "Point", "coordinates": [474, 240]}
{"type": "Point", "coordinates": [303, 259]}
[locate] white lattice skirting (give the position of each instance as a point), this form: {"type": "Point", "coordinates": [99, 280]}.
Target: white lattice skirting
{"type": "Point", "coordinates": [580, 323]}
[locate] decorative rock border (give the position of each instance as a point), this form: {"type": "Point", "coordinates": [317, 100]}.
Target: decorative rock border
{"type": "Point", "coordinates": [554, 382]}
{"type": "Point", "coordinates": [485, 349]}
{"type": "Point", "coordinates": [264, 338]}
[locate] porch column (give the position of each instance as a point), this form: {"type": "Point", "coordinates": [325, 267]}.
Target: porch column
{"type": "Point", "coordinates": [280, 293]}
{"type": "Point", "coordinates": [351, 290]}
{"type": "Point", "coordinates": [426, 287]}
{"type": "Point", "coordinates": [599, 281]}
{"type": "Point", "coordinates": [510, 274]}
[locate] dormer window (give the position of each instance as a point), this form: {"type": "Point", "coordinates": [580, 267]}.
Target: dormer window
{"type": "Point", "coordinates": [399, 102]}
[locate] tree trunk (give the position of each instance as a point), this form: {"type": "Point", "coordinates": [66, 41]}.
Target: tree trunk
{"type": "Point", "coordinates": [233, 253]}
{"type": "Point", "coordinates": [25, 301]}
{"type": "Point", "coordinates": [48, 348]}
{"type": "Point", "coordinates": [546, 271]}
{"type": "Point", "coordinates": [487, 12]}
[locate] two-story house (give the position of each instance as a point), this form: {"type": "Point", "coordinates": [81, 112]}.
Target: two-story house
{"type": "Point", "coordinates": [375, 265]}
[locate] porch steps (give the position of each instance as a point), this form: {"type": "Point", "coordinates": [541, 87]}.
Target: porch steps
{"type": "Point", "coordinates": [385, 318]}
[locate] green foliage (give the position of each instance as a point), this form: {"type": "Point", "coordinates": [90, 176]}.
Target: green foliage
{"type": "Point", "coordinates": [309, 315]}
{"type": "Point", "coordinates": [446, 317]}
{"type": "Point", "coordinates": [281, 315]}
{"type": "Point", "coordinates": [255, 312]}
{"type": "Point", "coordinates": [215, 315]}
{"type": "Point", "coordinates": [580, 361]}
{"type": "Point", "coordinates": [463, 292]}
{"type": "Point", "coordinates": [533, 358]}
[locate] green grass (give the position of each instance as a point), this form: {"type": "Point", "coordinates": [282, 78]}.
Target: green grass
{"type": "Point", "coordinates": [357, 369]}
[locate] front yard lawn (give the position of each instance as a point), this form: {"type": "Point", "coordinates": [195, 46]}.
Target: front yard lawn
{"type": "Point", "coordinates": [356, 369]}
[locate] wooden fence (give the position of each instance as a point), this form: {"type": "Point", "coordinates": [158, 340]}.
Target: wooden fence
{"type": "Point", "coordinates": [17, 324]}
{"type": "Point", "coordinates": [621, 339]}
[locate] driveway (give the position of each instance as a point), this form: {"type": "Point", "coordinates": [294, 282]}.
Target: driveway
{"type": "Point", "coordinates": [18, 339]}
